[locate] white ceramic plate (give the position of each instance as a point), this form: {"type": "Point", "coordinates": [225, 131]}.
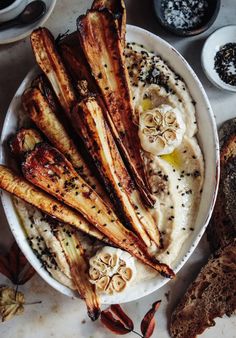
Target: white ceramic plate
{"type": "Point", "coordinates": [212, 45]}
{"type": "Point", "coordinates": [18, 33]}
{"type": "Point", "coordinates": [208, 140]}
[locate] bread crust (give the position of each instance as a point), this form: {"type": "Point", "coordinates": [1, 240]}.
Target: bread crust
{"type": "Point", "coordinates": [211, 295]}
{"type": "Point", "coordinates": [222, 227]}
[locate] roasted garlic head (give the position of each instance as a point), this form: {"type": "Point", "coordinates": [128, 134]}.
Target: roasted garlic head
{"type": "Point", "coordinates": [111, 270]}
{"type": "Point", "coordinates": [161, 129]}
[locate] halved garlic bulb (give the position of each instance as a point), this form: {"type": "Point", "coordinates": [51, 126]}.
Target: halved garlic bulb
{"type": "Point", "coordinates": [161, 129]}
{"type": "Point", "coordinates": [111, 270]}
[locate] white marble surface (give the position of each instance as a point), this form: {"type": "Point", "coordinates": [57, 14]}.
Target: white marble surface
{"type": "Point", "coordinates": [59, 316]}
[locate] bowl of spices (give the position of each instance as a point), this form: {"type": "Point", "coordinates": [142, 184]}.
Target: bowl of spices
{"type": "Point", "coordinates": [186, 17]}
{"type": "Point", "coordinates": [219, 58]}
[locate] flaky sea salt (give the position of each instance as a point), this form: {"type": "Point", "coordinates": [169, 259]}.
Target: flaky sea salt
{"type": "Point", "coordinates": [184, 13]}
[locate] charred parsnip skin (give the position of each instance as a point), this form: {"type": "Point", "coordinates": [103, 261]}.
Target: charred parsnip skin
{"type": "Point", "coordinates": [49, 61]}
{"type": "Point", "coordinates": [78, 264]}
{"type": "Point", "coordinates": [42, 83]}
{"type": "Point", "coordinates": [24, 140]}
{"type": "Point", "coordinates": [104, 54]}
{"type": "Point", "coordinates": [19, 187]}
{"type": "Point", "coordinates": [47, 121]}
{"type": "Point", "coordinates": [117, 7]}
{"type": "Point", "coordinates": [100, 143]}
{"type": "Point", "coordinates": [77, 65]}
{"type": "Point", "coordinates": [47, 168]}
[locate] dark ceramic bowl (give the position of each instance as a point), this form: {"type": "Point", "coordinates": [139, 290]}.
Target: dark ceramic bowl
{"type": "Point", "coordinates": [208, 19]}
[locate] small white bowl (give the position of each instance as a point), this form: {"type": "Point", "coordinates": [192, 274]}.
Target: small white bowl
{"type": "Point", "coordinates": [12, 11]}
{"type": "Point", "coordinates": [212, 45]}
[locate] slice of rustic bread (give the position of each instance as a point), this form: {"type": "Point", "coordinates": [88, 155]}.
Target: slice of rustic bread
{"type": "Point", "coordinates": [226, 130]}
{"type": "Point", "coordinates": [222, 227]}
{"type": "Point", "coordinates": [211, 295]}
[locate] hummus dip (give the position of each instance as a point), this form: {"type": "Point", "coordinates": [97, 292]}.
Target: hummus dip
{"type": "Point", "coordinates": [164, 112]}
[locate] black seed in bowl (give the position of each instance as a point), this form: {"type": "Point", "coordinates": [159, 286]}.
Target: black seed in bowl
{"type": "Point", "coordinates": [225, 63]}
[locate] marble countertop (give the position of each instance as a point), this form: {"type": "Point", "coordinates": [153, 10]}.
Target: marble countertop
{"type": "Point", "coordinates": [58, 315]}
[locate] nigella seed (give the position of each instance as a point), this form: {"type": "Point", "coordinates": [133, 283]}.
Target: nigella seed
{"type": "Point", "coordinates": [225, 63]}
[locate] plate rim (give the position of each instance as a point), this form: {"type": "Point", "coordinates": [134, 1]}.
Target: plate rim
{"type": "Point", "coordinates": [161, 281]}
{"type": "Point", "coordinates": [37, 24]}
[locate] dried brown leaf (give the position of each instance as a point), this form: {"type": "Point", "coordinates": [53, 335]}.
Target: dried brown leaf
{"type": "Point", "coordinates": [122, 316]}
{"type": "Point", "coordinates": [116, 320]}
{"type": "Point", "coordinates": [15, 266]}
{"type": "Point", "coordinates": [11, 303]}
{"type": "Point", "coordinates": [148, 322]}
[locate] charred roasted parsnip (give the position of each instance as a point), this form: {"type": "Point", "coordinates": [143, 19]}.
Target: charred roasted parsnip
{"type": "Point", "coordinates": [47, 168]}
{"type": "Point", "coordinates": [117, 7]}
{"type": "Point", "coordinates": [97, 137]}
{"type": "Point", "coordinates": [75, 256]}
{"type": "Point", "coordinates": [47, 121]}
{"type": "Point", "coordinates": [104, 54]}
{"type": "Point", "coordinates": [17, 186]}
{"type": "Point", "coordinates": [49, 61]}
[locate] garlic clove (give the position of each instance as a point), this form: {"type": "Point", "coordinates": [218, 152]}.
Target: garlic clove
{"type": "Point", "coordinates": [118, 283]}
{"type": "Point", "coordinates": [126, 273]}
{"type": "Point", "coordinates": [113, 260]}
{"type": "Point", "coordinates": [148, 120]}
{"type": "Point", "coordinates": [158, 118]}
{"type": "Point", "coordinates": [160, 143]}
{"type": "Point", "coordinates": [103, 283]}
{"type": "Point", "coordinates": [169, 135]}
{"type": "Point", "coordinates": [150, 131]}
{"type": "Point", "coordinates": [99, 265]}
{"type": "Point", "coordinates": [94, 274]}
{"type": "Point", "coordinates": [105, 257]}
{"type": "Point", "coordinates": [170, 118]}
